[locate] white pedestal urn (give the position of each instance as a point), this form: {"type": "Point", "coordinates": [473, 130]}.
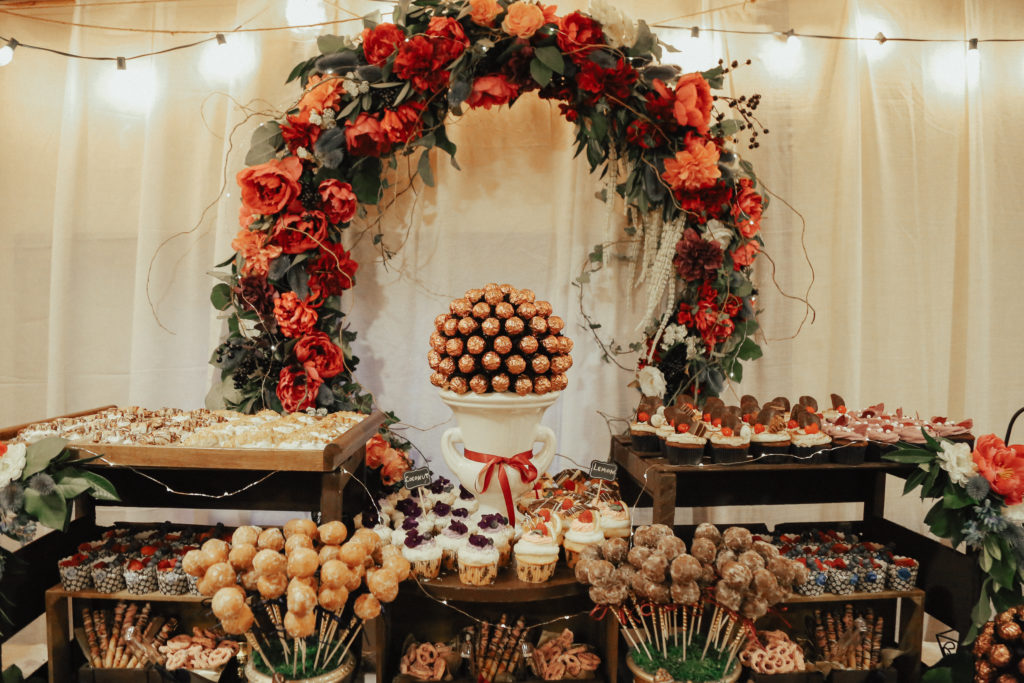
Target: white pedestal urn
{"type": "Point", "coordinates": [498, 432]}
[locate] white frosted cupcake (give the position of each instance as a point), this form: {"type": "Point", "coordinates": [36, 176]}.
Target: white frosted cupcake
{"type": "Point", "coordinates": [466, 499]}
{"type": "Point", "coordinates": [424, 554]}
{"type": "Point", "coordinates": [478, 561]}
{"type": "Point", "coordinates": [451, 539]}
{"type": "Point", "coordinates": [442, 515]}
{"type": "Point", "coordinates": [614, 519]}
{"type": "Point", "coordinates": [496, 528]}
{"type": "Point", "coordinates": [584, 531]}
{"type": "Point", "coordinates": [536, 555]}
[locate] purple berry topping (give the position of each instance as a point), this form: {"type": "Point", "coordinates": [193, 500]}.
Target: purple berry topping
{"type": "Point", "coordinates": [458, 527]}
{"type": "Point", "coordinates": [460, 512]}
{"type": "Point", "coordinates": [442, 509]}
{"type": "Point", "coordinates": [464, 493]}
{"type": "Point", "coordinates": [479, 541]}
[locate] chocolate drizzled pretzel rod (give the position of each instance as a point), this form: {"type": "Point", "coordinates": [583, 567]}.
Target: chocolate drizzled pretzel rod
{"type": "Point", "coordinates": [497, 638]}
{"type": "Point", "coordinates": [505, 654]}
{"type": "Point", "coordinates": [483, 635]}
{"type": "Point", "coordinates": [867, 636]}
{"type": "Point", "coordinates": [90, 635]}
{"type": "Point", "coordinates": [129, 619]}
{"type": "Point", "coordinates": [165, 631]}
{"type": "Point", "coordinates": [830, 631]}
{"type": "Point", "coordinates": [100, 619]}
{"type": "Point", "coordinates": [115, 634]}
{"type": "Point", "coordinates": [876, 644]}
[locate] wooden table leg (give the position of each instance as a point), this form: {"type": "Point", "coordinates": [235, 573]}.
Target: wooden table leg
{"type": "Point", "coordinates": [611, 648]}
{"type": "Point", "coordinates": [912, 629]}
{"type": "Point", "coordinates": [330, 497]}
{"type": "Point", "coordinates": [662, 486]}
{"type": "Point", "coordinates": [58, 629]}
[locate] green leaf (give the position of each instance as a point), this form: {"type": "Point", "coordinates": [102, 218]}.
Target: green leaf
{"type": "Point", "coordinates": [913, 480]}
{"type": "Point", "coordinates": [423, 169]}
{"type": "Point", "coordinates": [328, 44]}
{"type": "Point", "coordinates": [265, 142]}
{"type": "Point", "coordinates": [992, 547]}
{"type": "Point", "coordinates": [749, 350]}
{"type": "Point", "coordinates": [956, 497]}
{"type": "Point", "coordinates": [982, 610]}
{"type": "Point", "coordinates": [540, 72]}
{"type": "Point", "coordinates": [100, 488]}
{"type": "Point", "coordinates": [985, 561]}
{"type": "Point", "coordinates": [39, 455]}
{"type": "Point", "coordinates": [551, 57]}
{"type": "Point", "coordinates": [910, 456]}
{"type": "Point", "coordinates": [71, 483]}
{"type": "Point", "coordinates": [928, 489]}
{"type": "Point", "coordinates": [220, 296]}
{"type": "Point", "coordinates": [935, 445]}
{"type": "Point", "coordinates": [597, 256]}
{"type": "Point", "coordinates": [50, 509]}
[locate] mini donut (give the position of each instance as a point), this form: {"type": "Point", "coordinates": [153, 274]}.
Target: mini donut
{"type": "Point", "coordinates": [399, 565]}
{"type": "Point", "coordinates": [329, 552]}
{"type": "Point", "coordinates": [765, 582]}
{"type": "Point", "coordinates": [708, 575]}
{"type": "Point", "coordinates": [390, 551]}
{"type": "Point", "coordinates": [724, 557]}
{"type": "Point", "coordinates": [685, 593]}
{"type": "Point", "coordinates": [332, 533]}
{"type": "Point", "coordinates": [736, 575]}
{"type": "Point", "coordinates": [268, 561]}
{"type": "Point", "coordinates": [366, 607]}
{"type": "Point", "coordinates": [729, 597]}
{"type": "Point", "coordinates": [302, 562]}
{"type": "Point", "coordinates": [591, 552]}
{"type": "Point", "coordinates": [615, 550]}
{"type": "Point", "coordinates": [784, 569]}
{"type": "Point", "coordinates": [245, 535]}
{"type": "Point", "coordinates": [271, 539]}
{"type": "Point", "coordinates": [297, 541]}
{"type": "Point", "coordinates": [216, 550]}
{"type": "Point", "coordinates": [383, 583]}
{"type": "Point", "coordinates": [685, 569]}
{"type": "Point", "coordinates": [704, 550]}
{"type": "Point", "coordinates": [240, 624]}
{"type": "Point", "coordinates": [301, 598]}
{"type": "Point", "coordinates": [353, 553]}
{"type": "Point", "coordinates": [220, 575]}
{"type": "Point", "coordinates": [599, 596]}
{"type": "Point", "coordinates": [671, 546]}
{"type": "Point", "coordinates": [228, 602]}
{"type": "Point", "coordinates": [751, 560]}
{"type": "Point", "coordinates": [645, 537]}
{"type": "Point", "coordinates": [765, 549]}
{"type": "Point", "coordinates": [241, 556]}
{"type": "Point", "coordinates": [271, 586]}
{"type": "Point", "coordinates": [754, 607]}
{"type": "Point", "coordinates": [709, 531]}
{"type": "Point", "coordinates": [582, 571]}
{"type": "Point", "coordinates": [660, 593]}
{"type": "Point", "coordinates": [300, 526]}
{"type": "Point", "coordinates": [654, 568]}
{"type": "Point", "coordinates": [737, 539]}
{"type": "Point", "coordinates": [637, 554]}
{"type": "Point", "coordinates": [334, 573]}
{"type": "Point", "coordinates": [299, 625]}
{"type": "Point", "coordinates": [195, 563]}
{"type": "Point", "coordinates": [248, 580]}
{"type": "Point", "coordinates": [599, 570]}
{"type": "Point", "coordinates": [369, 539]}
{"type": "Point", "coordinates": [333, 599]}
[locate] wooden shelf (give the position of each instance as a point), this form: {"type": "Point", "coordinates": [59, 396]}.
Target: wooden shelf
{"type": "Point", "coordinates": [58, 592]}
{"type": "Point", "coordinates": [506, 589]}
{"type": "Point", "coordinates": [913, 594]}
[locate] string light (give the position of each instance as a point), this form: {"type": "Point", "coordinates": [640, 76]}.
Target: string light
{"type": "Point", "coordinates": [301, 13]}
{"type": "Point", "coordinates": [227, 60]}
{"type": "Point", "coordinates": [7, 52]}
{"type": "Point", "coordinates": [695, 32]}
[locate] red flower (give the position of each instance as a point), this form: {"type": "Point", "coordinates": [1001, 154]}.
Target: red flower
{"type": "Point", "coordinates": [747, 210]}
{"type": "Point", "coordinates": [269, 187]}
{"type": "Point", "coordinates": [299, 132]}
{"type": "Point", "coordinates": [599, 81]}
{"type": "Point", "coordinates": [294, 317]}
{"type": "Point", "coordinates": [296, 390]}
{"type": "Point", "coordinates": [393, 467]}
{"type": "Point", "coordinates": [697, 258]}
{"type": "Point", "coordinates": [577, 35]}
{"type": "Point", "coordinates": [331, 273]}
{"type": "Point", "coordinates": [380, 42]}
{"type": "Point", "coordinates": [375, 449]}
{"type": "Point", "coordinates": [695, 167]}
{"type": "Point", "coordinates": [319, 356]}
{"type": "Point", "coordinates": [710, 202]}
{"type": "Point", "coordinates": [449, 40]}
{"type": "Point", "coordinates": [732, 306]}
{"type": "Point", "coordinates": [403, 124]}
{"type": "Point", "coordinates": [415, 62]}
{"type": "Point", "coordinates": [1002, 466]}
{"type": "Point", "coordinates": [366, 137]}
{"type": "Point", "coordinates": [490, 91]}
{"type": "Point", "coordinates": [661, 103]}
{"type": "Point", "coordinates": [340, 201]}
{"type": "Point", "coordinates": [693, 102]}
{"type": "Point", "coordinates": [745, 255]}
{"type": "Point", "coordinates": [642, 134]}
{"type": "Point", "coordinates": [296, 233]}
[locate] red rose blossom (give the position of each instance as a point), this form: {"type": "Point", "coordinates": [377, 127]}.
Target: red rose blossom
{"type": "Point", "coordinates": [319, 356]}
{"type": "Point", "coordinates": [599, 81]}
{"type": "Point", "coordinates": [747, 210]}
{"type": "Point", "coordinates": [296, 390]}
{"type": "Point", "coordinates": [299, 132]}
{"type": "Point", "coordinates": [268, 188]}
{"type": "Point", "coordinates": [415, 62]}
{"type": "Point", "coordinates": [745, 255]}
{"type": "Point", "coordinates": [380, 42]}
{"type": "Point", "coordinates": [577, 35]}
{"type": "Point", "coordinates": [404, 123]}
{"type": "Point", "coordinates": [340, 201]}
{"type": "Point", "coordinates": [449, 40]}
{"type": "Point", "coordinates": [491, 91]}
{"type": "Point", "coordinates": [366, 137]}
{"type": "Point", "coordinates": [296, 233]}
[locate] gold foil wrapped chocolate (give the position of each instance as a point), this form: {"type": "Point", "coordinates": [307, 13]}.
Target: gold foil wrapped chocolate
{"type": "Point", "coordinates": [446, 366]}
{"type": "Point", "coordinates": [490, 327]}
{"type": "Point", "coordinates": [437, 341]}
{"type": "Point", "coordinates": [555, 324]}
{"type": "Point", "coordinates": [551, 344]}
{"type": "Point", "coordinates": [515, 326]}
{"type": "Point", "coordinates": [503, 345]}
{"type": "Point", "coordinates": [467, 364]}
{"type": "Point", "coordinates": [474, 295]}
{"type": "Point", "coordinates": [438, 380]}
{"type": "Point", "coordinates": [459, 385]}
{"type": "Point", "coordinates": [529, 344]}
{"type": "Point", "coordinates": [524, 385]}
{"type": "Point", "coordinates": [543, 309]}
{"type": "Point", "coordinates": [467, 326]}
{"type": "Point", "coordinates": [538, 324]}
{"type": "Point", "coordinates": [541, 385]}
{"type": "Point", "coordinates": [439, 322]}
{"type": "Point", "coordinates": [461, 307]}
{"type": "Point", "coordinates": [516, 364]}
{"type": "Point", "coordinates": [504, 310]}
{"type": "Point", "coordinates": [479, 384]}
{"type": "Point", "coordinates": [433, 359]}
{"type": "Point", "coordinates": [526, 311]}
{"type": "Point", "coordinates": [453, 347]}
{"type": "Point", "coordinates": [500, 383]}
{"type": "Point", "coordinates": [476, 345]}
{"type": "Point", "coordinates": [491, 361]}
{"type": "Point", "coordinates": [481, 310]}
{"type": "Point", "coordinates": [451, 327]}
{"type": "Point", "coordinates": [493, 295]}
{"type": "Point", "coordinates": [540, 364]}
{"type": "Point", "coordinates": [559, 382]}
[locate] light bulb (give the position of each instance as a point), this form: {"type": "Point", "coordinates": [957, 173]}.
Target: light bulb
{"type": "Point", "coordinates": [132, 90]}
{"type": "Point", "coordinates": [6, 55]}
{"type": "Point", "coordinates": [234, 58]}
{"type": "Point", "coordinates": [305, 12]}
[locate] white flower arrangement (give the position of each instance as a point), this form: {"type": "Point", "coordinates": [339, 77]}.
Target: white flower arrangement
{"type": "Point", "coordinates": [619, 29]}
{"type": "Point", "coordinates": [956, 460]}
{"type": "Point", "coordinates": [12, 464]}
{"type": "Point", "coordinates": [652, 381]}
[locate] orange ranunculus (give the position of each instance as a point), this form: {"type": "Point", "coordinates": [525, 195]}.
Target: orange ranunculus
{"type": "Point", "coordinates": [269, 187]}
{"type": "Point", "coordinates": [404, 123]}
{"type": "Point", "coordinates": [322, 92]}
{"type": "Point", "coordinates": [694, 168]}
{"type": "Point", "coordinates": [693, 102]}
{"type": "Point", "coordinates": [394, 466]}
{"type": "Point", "coordinates": [245, 216]}
{"type": "Point", "coordinates": [366, 137]}
{"type": "Point", "coordinates": [319, 356]}
{"type": "Point", "coordinates": [550, 16]}
{"type": "Point", "coordinates": [490, 91]}
{"type": "Point", "coordinates": [340, 201]}
{"type": "Point", "coordinates": [296, 233]}
{"type": "Point", "coordinates": [1002, 466]}
{"type": "Point", "coordinates": [296, 390]}
{"type": "Point", "coordinates": [375, 448]}
{"type": "Point", "coordinates": [294, 317]}
{"type": "Point", "coordinates": [745, 255]}
{"type": "Point", "coordinates": [254, 248]}
{"type": "Point", "coordinates": [522, 19]}
{"type": "Point", "coordinates": [747, 209]}
{"type": "Point", "coordinates": [484, 12]}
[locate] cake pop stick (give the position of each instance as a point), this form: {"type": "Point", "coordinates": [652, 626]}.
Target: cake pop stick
{"type": "Point", "coordinates": [636, 629]}
{"type": "Point", "coordinates": [274, 612]}
{"type": "Point", "coordinates": [90, 635]}
{"type": "Point", "coordinates": [734, 648]}
{"type": "Point", "coordinates": [698, 618]}
{"type": "Point", "coordinates": [713, 629]}
{"type": "Point", "coordinates": [663, 618]}
{"type": "Point", "coordinates": [255, 645]}
{"type": "Point", "coordinates": [640, 616]}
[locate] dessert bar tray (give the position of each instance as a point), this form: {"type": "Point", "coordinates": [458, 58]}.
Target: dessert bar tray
{"type": "Point", "coordinates": [506, 588]}
{"type": "Point", "coordinates": [186, 457]}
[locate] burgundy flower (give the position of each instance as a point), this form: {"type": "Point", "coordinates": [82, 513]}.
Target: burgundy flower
{"type": "Point", "coordinates": [460, 512]}
{"type": "Point", "coordinates": [442, 509]}
{"type": "Point", "coordinates": [697, 258]}
{"type": "Point", "coordinates": [254, 293]}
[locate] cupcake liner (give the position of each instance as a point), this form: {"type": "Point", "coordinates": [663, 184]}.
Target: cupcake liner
{"type": "Point", "coordinates": [726, 455]}
{"type": "Point", "coordinates": [142, 581]}
{"type": "Point", "coordinates": [812, 455]}
{"type": "Point", "coordinates": [902, 578]}
{"type": "Point", "coordinates": [478, 575]}
{"type": "Point", "coordinates": [450, 560]}
{"type": "Point", "coordinates": [76, 578]}
{"type": "Point", "coordinates": [770, 453]}
{"type": "Point", "coordinates": [535, 572]}
{"type": "Point", "coordinates": [109, 579]}
{"type": "Point", "coordinates": [193, 585]}
{"type": "Point", "coordinates": [172, 582]}
{"type": "Point", "coordinates": [840, 581]}
{"type": "Point", "coordinates": [427, 569]}
{"type": "Point", "coordinates": [872, 579]}
{"type": "Point", "coordinates": [813, 587]}
{"type": "Point", "coordinates": [689, 454]}
{"type": "Point", "coordinates": [849, 453]}
{"type": "Point", "coordinates": [644, 443]}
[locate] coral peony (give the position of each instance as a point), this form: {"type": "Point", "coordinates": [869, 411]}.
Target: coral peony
{"type": "Point", "coordinates": [296, 390]}
{"type": "Point", "coordinates": [522, 19]}
{"type": "Point", "coordinates": [331, 273]}
{"type": "Point", "coordinates": [490, 91]}
{"type": "Point", "coordinates": [268, 188]}
{"type": "Point", "coordinates": [296, 233]}
{"type": "Point", "coordinates": [319, 356]}
{"type": "Point", "coordinates": [255, 249]}
{"type": "Point", "coordinates": [578, 34]}
{"type": "Point", "coordinates": [694, 168]}
{"type": "Point", "coordinates": [322, 92]}
{"type": "Point", "coordinates": [380, 42]}
{"type": "Point", "coordinates": [339, 201]}
{"type": "Point", "coordinates": [375, 449]}
{"type": "Point", "coordinates": [747, 210]}
{"type": "Point", "coordinates": [366, 137]}
{"type": "Point", "coordinates": [693, 102]}
{"type": "Point", "coordinates": [403, 124]}
{"type": "Point", "coordinates": [415, 62]}
{"type": "Point", "coordinates": [449, 40]}
{"type": "Point", "coordinates": [745, 255]}
{"type": "Point", "coordinates": [1002, 466]}
{"type": "Point", "coordinates": [294, 317]}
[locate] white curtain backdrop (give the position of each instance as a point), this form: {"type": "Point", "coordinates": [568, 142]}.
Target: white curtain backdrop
{"type": "Point", "coordinates": [900, 158]}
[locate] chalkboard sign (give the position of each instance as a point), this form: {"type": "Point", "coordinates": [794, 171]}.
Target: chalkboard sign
{"type": "Point", "coordinates": [599, 469]}
{"type": "Point", "coordinates": [416, 478]}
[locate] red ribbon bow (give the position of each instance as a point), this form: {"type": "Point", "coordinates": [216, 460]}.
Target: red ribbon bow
{"type": "Point", "coordinates": [519, 462]}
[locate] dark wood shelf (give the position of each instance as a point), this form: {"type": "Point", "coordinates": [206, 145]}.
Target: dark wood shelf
{"type": "Point", "coordinates": [506, 589]}
{"type": "Point", "coordinates": [59, 592]}
{"type": "Point", "coordinates": [913, 594]}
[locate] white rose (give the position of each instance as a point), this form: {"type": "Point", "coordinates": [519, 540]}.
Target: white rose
{"type": "Point", "coordinates": [956, 459]}
{"type": "Point", "coordinates": [652, 382]}
{"type": "Point", "coordinates": [619, 29]}
{"type": "Point", "coordinates": [717, 232]}
{"type": "Point", "coordinates": [658, 419]}
{"type": "Point", "coordinates": [12, 464]}
{"type": "Point", "coordinates": [1014, 513]}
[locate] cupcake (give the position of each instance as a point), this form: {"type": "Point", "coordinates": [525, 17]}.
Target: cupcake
{"type": "Point", "coordinates": [814, 586]}
{"type": "Point", "coordinates": [552, 518]}
{"type": "Point", "coordinates": [644, 435]}
{"type": "Point", "coordinates": [839, 579]}
{"type": "Point", "coordinates": [838, 409]}
{"type": "Point", "coordinates": [536, 555]}
{"type": "Point", "coordinates": [170, 578]}
{"type": "Point", "coordinates": [685, 446]}
{"type": "Point", "coordinates": [478, 561]}
{"type": "Point", "coordinates": [140, 575]}
{"type": "Point", "coordinates": [873, 575]}
{"type": "Point", "coordinates": [903, 573]}
{"type": "Point", "coordinates": [108, 574]}
{"type": "Point", "coordinates": [451, 539]}
{"type": "Point", "coordinates": [583, 532]}
{"type": "Point", "coordinates": [849, 447]}
{"type": "Point", "coordinates": [882, 438]}
{"type": "Point", "coordinates": [496, 528]}
{"type": "Point", "coordinates": [466, 500]}
{"type": "Point", "coordinates": [809, 442]}
{"type": "Point", "coordinates": [731, 443]}
{"type": "Point", "coordinates": [442, 491]}
{"type": "Point", "coordinates": [614, 518]}
{"type": "Point", "coordinates": [424, 554]}
{"type": "Point", "coordinates": [442, 515]}
{"type": "Point", "coordinates": [769, 439]}
{"type": "Point", "coordinates": [75, 573]}
{"type": "Point", "coordinates": [662, 428]}
{"type": "Point", "coordinates": [957, 432]}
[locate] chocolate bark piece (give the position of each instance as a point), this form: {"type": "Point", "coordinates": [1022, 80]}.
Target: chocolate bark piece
{"type": "Point", "coordinates": [837, 401]}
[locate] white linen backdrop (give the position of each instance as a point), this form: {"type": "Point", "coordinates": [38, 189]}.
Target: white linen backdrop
{"type": "Point", "coordinates": [900, 157]}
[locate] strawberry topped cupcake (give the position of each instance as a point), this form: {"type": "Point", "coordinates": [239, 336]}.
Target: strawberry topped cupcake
{"type": "Point", "coordinates": [536, 554]}
{"type": "Point", "coordinates": [769, 438]}
{"type": "Point", "coordinates": [75, 572]}
{"type": "Point", "coordinates": [170, 577]}
{"type": "Point", "coordinates": [584, 531]}
{"type": "Point", "coordinates": [140, 575]}
{"type": "Point", "coordinates": [849, 445]}
{"type": "Point", "coordinates": [614, 516]}
{"type": "Point", "coordinates": [643, 434]}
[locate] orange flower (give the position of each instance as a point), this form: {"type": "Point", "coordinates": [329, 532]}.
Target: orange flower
{"type": "Point", "coordinates": [394, 467]}
{"type": "Point", "coordinates": [693, 102]}
{"type": "Point", "coordinates": [522, 19]}
{"type": "Point", "coordinates": [694, 168]}
{"type": "Point", "coordinates": [745, 255]}
{"type": "Point", "coordinates": [491, 91]}
{"type": "Point", "coordinates": [294, 317]}
{"type": "Point", "coordinates": [269, 187]}
{"type": "Point", "coordinates": [484, 12]}
{"type": "Point", "coordinates": [375, 448]}
{"type": "Point", "coordinates": [253, 247]}
{"type": "Point", "coordinates": [1002, 466]}
{"type": "Point", "coordinates": [322, 92]}
{"type": "Point", "coordinates": [747, 209]}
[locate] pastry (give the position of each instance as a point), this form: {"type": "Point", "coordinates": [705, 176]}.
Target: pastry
{"type": "Point", "coordinates": [424, 554]}
{"type": "Point", "coordinates": [478, 561]}
{"type": "Point", "coordinates": [536, 555]}
{"type": "Point", "coordinates": [584, 531]}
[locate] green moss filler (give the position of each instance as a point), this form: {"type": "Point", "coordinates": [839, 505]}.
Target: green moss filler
{"type": "Point", "coordinates": [277, 654]}
{"type": "Point", "coordinates": [711, 668]}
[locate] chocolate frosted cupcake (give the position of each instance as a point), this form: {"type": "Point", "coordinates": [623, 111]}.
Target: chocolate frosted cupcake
{"type": "Point", "coordinates": [644, 435]}
{"type": "Point", "coordinates": [731, 443]}
{"type": "Point", "coordinates": [478, 561]}
{"type": "Point", "coordinates": [769, 438]}
{"type": "Point", "coordinates": [809, 442]}
{"type": "Point", "coordinates": [75, 572]}
{"type": "Point", "coordinates": [687, 445]}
